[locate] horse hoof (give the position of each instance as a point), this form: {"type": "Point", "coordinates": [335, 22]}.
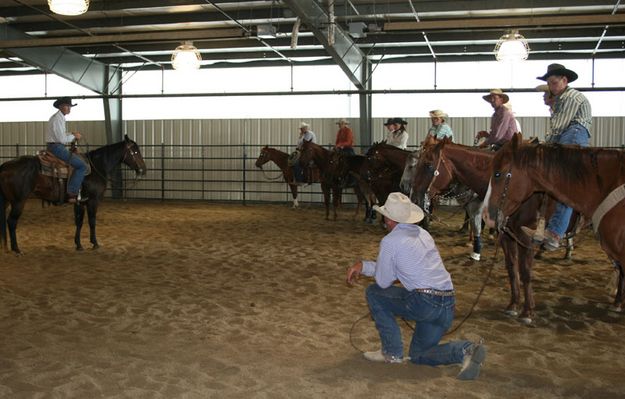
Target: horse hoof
{"type": "Point", "coordinates": [511, 312]}
{"type": "Point", "coordinates": [525, 320]}
{"type": "Point", "coordinates": [617, 308]}
{"type": "Point", "coordinates": [80, 248]}
{"type": "Point", "coordinates": [94, 247]}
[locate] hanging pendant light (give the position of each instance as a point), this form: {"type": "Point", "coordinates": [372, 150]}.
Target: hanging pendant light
{"type": "Point", "coordinates": [68, 7]}
{"type": "Point", "coordinates": [512, 47]}
{"type": "Point", "coordinates": [186, 57]}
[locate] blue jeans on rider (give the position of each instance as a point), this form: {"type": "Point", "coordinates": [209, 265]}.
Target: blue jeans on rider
{"type": "Point", "coordinates": [298, 172]}
{"type": "Point", "coordinates": [75, 181]}
{"type": "Point", "coordinates": [433, 316]}
{"type": "Point", "coordinates": [574, 134]}
{"type": "Point", "coordinates": [347, 151]}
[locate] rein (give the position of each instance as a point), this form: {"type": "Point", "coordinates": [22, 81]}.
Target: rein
{"type": "Point", "coordinates": [271, 178]}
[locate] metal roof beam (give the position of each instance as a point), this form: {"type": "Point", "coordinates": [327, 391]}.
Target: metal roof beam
{"type": "Point", "coordinates": [72, 66]}
{"type": "Point", "coordinates": [344, 51]}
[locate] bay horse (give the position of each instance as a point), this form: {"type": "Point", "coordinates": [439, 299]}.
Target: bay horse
{"type": "Point", "coordinates": [386, 162]}
{"type": "Point", "coordinates": [351, 170]}
{"type": "Point", "coordinates": [19, 178]}
{"type": "Point", "coordinates": [331, 184]}
{"type": "Point", "coordinates": [589, 180]}
{"type": "Point", "coordinates": [443, 162]}
{"type": "Point", "coordinates": [281, 159]}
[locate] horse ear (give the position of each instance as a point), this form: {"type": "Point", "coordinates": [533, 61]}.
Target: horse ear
{"type": "Point", "coordinates": [126, 138]}
{"type": "Point", "coordinates": [517, 140]}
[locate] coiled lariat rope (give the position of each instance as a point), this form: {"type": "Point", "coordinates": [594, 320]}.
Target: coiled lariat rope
{"type": "Point", "coordinates": [271, 178]}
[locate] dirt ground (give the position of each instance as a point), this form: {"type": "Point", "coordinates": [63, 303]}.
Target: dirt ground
{"type": "Point", "coordinates": [203, 300]}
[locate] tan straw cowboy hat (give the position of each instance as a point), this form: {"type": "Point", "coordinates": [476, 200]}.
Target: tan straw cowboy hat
{"type": "Point", "coordinates": [399, 208]}
{"type": "Point", "coordinates": [496, 92]}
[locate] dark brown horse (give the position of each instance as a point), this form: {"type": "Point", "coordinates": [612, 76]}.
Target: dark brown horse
{"type": "Point", "coordinates": [19, 179]}
{"type": "Point", "coordinates": [442, 163]}
{"type": "Point", "coordinates": [281, 159]}
{"type": "Point", "coordinates": [331, 183]}
{"type": "Point", "coordinates": [386, 166]}
{"type": "Point", "coordinates": [590, 180]}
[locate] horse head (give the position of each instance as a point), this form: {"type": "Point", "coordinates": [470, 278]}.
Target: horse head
{"type": "Point", "coordinates": [503, 198]}
{"type": "Point", "coordinates": [263, 157]}
{"type": "Point", "coordinates": [432, 174]}
{"type": "Point", "coordinates": [409, 170]}
{"type": "Point", "coordinates": [132, 157]}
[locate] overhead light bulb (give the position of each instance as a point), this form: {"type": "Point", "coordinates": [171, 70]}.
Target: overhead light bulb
{"type": "Point", "coordinates": [512, 47]}
{"type": "Point", "coordinates": [186, 57]}
{"type": "Point", "coordinates": [68, 7]}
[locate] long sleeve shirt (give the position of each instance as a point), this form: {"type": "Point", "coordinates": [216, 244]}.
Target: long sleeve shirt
{"type": "Point", "coordinates": [408, 254]}
{"type": "Point", "coordinates": [570, 107]}
{"type": "Point", "coordinates": [398, 138]}
{"type": "Point", "coordinates": [344, 138]}
{"type": "Point", "coordinates": [441, 131]}
{"type": "Point", "coordinates": [308, 136]}
{"type": "Point", "coordinates": [502, 127]}
{"type": "Point", "coordinates": [56, 131]}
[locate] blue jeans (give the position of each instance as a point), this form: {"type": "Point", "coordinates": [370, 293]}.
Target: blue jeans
{"type": "Point", "coordinates": [78, 175]}
{"type": "Point", "coordinates": [433, 316]}
{"type": "Point", "coordinates": [559, 221]}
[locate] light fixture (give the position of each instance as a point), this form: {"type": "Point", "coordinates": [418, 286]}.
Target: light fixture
{"type": "Point", "coordinates": [68, 7]}
{"type": "Point", "coordinates": [266, 31]}
{"type": "Point", "coordinates": [512, 47]}
{"type": "Point", "coordinates": [186, 57]}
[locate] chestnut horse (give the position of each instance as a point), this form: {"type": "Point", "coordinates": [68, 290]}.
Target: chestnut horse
{"type": "Point", "coordinates": [331, 183]}
{"type": "Point", "coordinates": [590, 180]}
{"type": "Point", "coordinates": [281, 159]}
{"type": "Point", "coordinates": [442, 162]}
{"type": "Point", "coordinates": [19, 177]}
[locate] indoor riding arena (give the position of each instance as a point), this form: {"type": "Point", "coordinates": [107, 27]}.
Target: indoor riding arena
{"type": "Point", "coordinates": [205, 270]}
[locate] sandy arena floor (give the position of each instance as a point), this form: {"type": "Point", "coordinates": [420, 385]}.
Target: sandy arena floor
{"type": "Point", "coordinates": [199, 300]}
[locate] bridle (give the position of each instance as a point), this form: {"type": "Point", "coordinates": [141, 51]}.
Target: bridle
{"type": "Point", "coordinates": [133, 155]}
{"type": "Point", "coordinates": [436, 172]}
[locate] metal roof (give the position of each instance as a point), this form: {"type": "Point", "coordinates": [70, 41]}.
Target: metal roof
{"type": "Point", "coordinates": [142, 34]}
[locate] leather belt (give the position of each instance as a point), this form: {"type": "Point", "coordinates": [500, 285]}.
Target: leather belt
{"type": "Point", "coordinates": [431, 291]}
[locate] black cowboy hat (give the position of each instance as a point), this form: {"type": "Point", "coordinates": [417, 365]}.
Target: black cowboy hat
{"type": "Point", "coordinates": [558, 70]}
{"type": "Point", "coordinates": [63, 101]}
{"type": "Point", "coordinates": [392, 121]}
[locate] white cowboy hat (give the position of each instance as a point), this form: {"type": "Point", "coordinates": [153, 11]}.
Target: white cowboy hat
{"type": "Point", "coordinates": [342, 120]}
{"type": "Point", "coordinates": [399, 208]}
{"type": "Point", "coordinates": [303, 125]}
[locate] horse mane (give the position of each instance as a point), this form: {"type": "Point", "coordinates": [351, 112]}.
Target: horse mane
{"type": "Point", "coordinates": [568, 162]}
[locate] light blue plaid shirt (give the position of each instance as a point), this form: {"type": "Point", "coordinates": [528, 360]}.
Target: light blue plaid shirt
{"type": "Point", "coordinates": [409, 254]}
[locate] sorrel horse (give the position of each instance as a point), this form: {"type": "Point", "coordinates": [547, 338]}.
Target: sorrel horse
{"type": "Point", "coordinates": [331, 185]}
{"type": "Point", "coordinates": [19, 177]}
{"type": "Point", "coordinates": [590, 180]}
{"type": "Point", "coordinates": [443, 162]}
{"type": "Point", "coordinates": [281, 159]}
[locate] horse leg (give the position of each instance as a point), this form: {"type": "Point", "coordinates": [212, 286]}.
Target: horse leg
{"type": "Point", "coordinates": [336, 200]}
{"type": "Point", "coordinates": [509, 248]}
{"type": "Point", "coordinates": [14, 215]}
{"type": "Point", "coordinates": [79, 215]}
{"type": "Point", "coordinates": [3, 223]}
{"type": "Point", "coordinates": [569, 248]}
{"type": "Point", "coordinates": [474, 209]}
{"type": "Point", "coordinates": [92, 210]}
{"type": "Point", "coordinates": [526, 262]}
{"type": "Point", "coordinates": [620, 287]}
{"type": "Point", "coordinates": [326, 199]}
{"type": "Point", "coordinates": [293, 188]}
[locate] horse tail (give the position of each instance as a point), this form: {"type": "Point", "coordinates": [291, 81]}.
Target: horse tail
{"type": "Point", "coordinates": [3, 221]}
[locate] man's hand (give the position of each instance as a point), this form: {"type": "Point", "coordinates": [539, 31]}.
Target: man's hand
{"type": "Point", "coordinates": [482, 134]}
{"type": "Point", "coordinates": [353, 272]}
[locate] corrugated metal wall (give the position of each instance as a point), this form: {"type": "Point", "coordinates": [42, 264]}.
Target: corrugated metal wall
{"type": "Point", "coordinates": [214, 159]}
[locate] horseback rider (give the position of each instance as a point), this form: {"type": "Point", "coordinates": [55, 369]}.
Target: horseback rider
{"type": "Point", "coordinates": [503, 124]}
{"type": "Point", "coordinates": [344, 138]}
{"type": "Point", "coordinates": [570, 123]}
{"type": "Point", "coordinates": [396, 135]}
{"type": "Point", "coordinates": [57, 137]}
{"type": "Point", "coordinates": [305, 134]}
